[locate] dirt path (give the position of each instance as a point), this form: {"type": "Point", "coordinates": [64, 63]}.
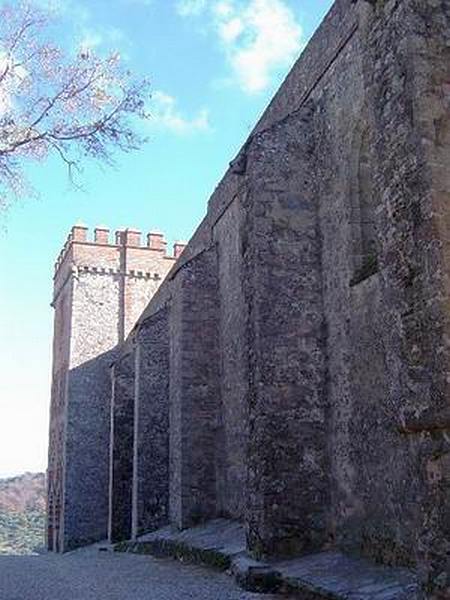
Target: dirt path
{"type": "Point", "coordinates": [92, 575]}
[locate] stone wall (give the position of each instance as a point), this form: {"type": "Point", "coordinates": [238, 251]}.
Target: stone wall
{"type": "Point", "coordinates": [231, 466]}
{"type": "Point", "coordinates": [399, 439]}
{"type": "Point", "coordinates": [194, 390]}
{"type": "Point", "coordinates": [151, 426]}
{"type": "Point", "coordinates": [121, 449]}
{"type": "Point", "coordinates": [62, 326]}
{"type": "Point", "coordinates": [95, 316]}
{"type": "Point", "coordinates": [299, 346]}
{"type": "Point", "coordinates": [271, 462]}
{"type": "Point", "coordinates": [288, 464]}
{"type": "Point", "coordinates": [100, 290]}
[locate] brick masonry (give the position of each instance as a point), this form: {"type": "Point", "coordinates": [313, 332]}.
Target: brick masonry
{"type": "Point", "coordinates": [303, 363]}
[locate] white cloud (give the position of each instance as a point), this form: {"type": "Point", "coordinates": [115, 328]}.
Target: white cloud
{"type": "Point", "coordinates": [274, 40]}
{"type": "Point", "coordinates": [223, 8]}
{"type": "Point", "coordinates": [91, 40]}
{"type": "Point", "coordinates": [259, 37]}
{"type": "Point", "coordinates": [13, 77]}
{"type": "Point", "coordinates": [231, 29]}
{"type": "Point", "coordinates": [165, 114]}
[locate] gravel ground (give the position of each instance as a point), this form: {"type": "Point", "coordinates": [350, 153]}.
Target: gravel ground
{"type": "Point", "coordinates": [92, 575]}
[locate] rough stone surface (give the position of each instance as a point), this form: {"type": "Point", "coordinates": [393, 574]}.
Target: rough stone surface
{"type": "Point", "coordinates": [100, 289]}
{"type": "Point", "coordinates": [328, 575]}
{"type": "Point", "coordinates": [121, 449]}
{"type": "Point", "coordinates": [151, 426]}
{"type": "Point", "coordinates": [287, 458]}
{"type": "Point", "coordinates": [233, 414]}
{"type": "Point", "coordinates": [194, 391]}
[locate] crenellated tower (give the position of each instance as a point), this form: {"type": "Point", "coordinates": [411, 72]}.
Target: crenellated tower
{"type": "Point", "coordinates": [101, 286]}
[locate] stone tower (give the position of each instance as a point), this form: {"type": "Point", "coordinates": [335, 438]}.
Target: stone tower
{"type": "Point", "coordinates": [100, 289]}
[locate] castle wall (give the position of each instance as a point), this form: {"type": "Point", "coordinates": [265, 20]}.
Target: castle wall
{"type": "Point", "coordinates": [95, 314]}
{"type": "Point", "coordinates": [100, 289]}
{"type": "Point", "coordinates": [151, 425]}
{"type": "Point", "coordinates": [405, 470]}
{"type": "Point", "coordinates": [386, 348]}
{"type": "Point", "coordinates": [271, 462]}
{"type": "Point", "coordinates": [55, 472]}
{"type": "Point", "coordinates": [299, 346]}
{"type": "Point", "coordinates": [121, 449]}
{"type": "Point", "coordinates": [353, 362]}
{"type": "Point", "coordinates": [432, 103]}
{"type": "Point", "coordinates": [288, 461]}
{"type": "Point", "coordinates": [231, 460]}
{"type": "Point", "coordinates": [194, 390]}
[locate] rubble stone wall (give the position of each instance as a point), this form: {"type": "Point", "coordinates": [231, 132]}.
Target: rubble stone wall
{"type": "Point", "coordinates": [194, 390]}
{"type": "Point", "coordinates": [151, 425]}
{"type": "Point", "coordinates": [330, 232]}
{"type": "Point", "coordinates": [121, 449]}
{"type": "Point", "coordinates": [231, 461]}
{"type": "Point", "coordinates": [55, 471]}
{"type": "Point", "coordinates": [100, 288]}
{"type": "Point", "coordinates": [288, 460]}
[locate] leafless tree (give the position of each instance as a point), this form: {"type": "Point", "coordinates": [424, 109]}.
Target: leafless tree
{"type": "Point", "coordinates": [73, 106]}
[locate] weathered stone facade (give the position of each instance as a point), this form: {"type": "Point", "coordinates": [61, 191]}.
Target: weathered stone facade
{"type": "Point", "coordinates": [100, 290]}
{"type": "Point", "coordinates": [299, 348]}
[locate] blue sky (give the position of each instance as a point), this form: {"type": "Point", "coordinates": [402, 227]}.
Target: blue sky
{"type": "Point", "coordinates": [214, 65]}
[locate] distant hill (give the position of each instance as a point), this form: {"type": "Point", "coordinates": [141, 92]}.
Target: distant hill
{"type": "Point", "coordinates": [22, 514]}
{"type": "Point", "coordinates": [22, 493]}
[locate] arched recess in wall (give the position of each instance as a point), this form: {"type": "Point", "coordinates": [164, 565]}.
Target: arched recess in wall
{"type": "Point", "coordinates": [364, 238]}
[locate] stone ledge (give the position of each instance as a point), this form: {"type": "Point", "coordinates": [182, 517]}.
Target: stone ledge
{"type": "Point", "coordinates": [325, 576]}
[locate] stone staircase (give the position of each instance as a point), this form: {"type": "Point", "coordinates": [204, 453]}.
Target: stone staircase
{"type": "Point", "coordinates": [324, 576]}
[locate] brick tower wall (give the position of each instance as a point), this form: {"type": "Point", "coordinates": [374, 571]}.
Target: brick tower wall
{"type": "Point", "coordinates": [100, 288]}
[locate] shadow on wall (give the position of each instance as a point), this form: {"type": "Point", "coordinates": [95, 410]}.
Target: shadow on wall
{"type": "Point", "coordinates": [84, 517]}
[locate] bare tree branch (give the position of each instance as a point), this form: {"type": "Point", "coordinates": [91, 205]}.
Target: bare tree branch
{"type": "Point", "coordinates": [83, 106]}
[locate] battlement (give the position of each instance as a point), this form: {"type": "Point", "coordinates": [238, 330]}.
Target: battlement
{"type": "Point", "coordinates": [101, 239]}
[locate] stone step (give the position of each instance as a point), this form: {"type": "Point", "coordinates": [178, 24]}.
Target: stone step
{"type": "Point", "coordinates": [323, 576]}
{"type": "Point", "coordinates": [335, 576]}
